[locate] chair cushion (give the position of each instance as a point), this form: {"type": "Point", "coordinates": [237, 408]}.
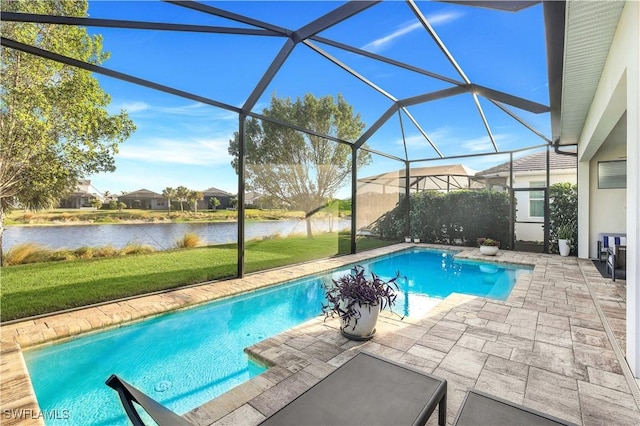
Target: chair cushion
{"type": "Point", "coordinates": [611, 240]}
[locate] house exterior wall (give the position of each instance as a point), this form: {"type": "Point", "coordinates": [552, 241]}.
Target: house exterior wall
{"type": "Point", "coordinates": [618, 91]}
{"type": "Point", "coordinates": [144, 203]}
{"type": "Point", "coordinates": [607, 207]}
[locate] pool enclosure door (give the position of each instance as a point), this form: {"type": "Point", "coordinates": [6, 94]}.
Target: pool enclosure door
{"type": "Point", "coordinates": [531, 219]}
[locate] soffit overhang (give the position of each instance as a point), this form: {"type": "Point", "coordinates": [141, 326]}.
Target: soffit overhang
{"type": "Point", "coordinates": [588, 32]}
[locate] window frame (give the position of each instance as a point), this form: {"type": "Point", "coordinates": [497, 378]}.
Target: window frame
{"type": "Point", "coordinates": [615, 180]}
{"type": "Point", "coordinates": [538, 199]}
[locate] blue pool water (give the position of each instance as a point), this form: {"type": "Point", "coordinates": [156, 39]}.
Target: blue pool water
{"type": "Point", "coordinates": [186, 358]}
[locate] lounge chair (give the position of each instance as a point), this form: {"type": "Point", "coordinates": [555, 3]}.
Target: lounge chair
{"type": "Point", "coordinates": [159, 413]}
{"type": "Point", "coordinates": [479, 408]}
{"type": "Point", "coordinates": [607, 240]}
{"type": "Point", "coordinates": [616, 260]}
{"type": "Point", "coordinates": [364, 390]}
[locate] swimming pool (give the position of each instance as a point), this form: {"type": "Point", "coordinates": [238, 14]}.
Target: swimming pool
{"type": "Point", "coordinates": [186, 358]}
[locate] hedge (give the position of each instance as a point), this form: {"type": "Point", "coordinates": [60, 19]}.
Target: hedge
{"type": "Point", "coordinates": [457, 217]}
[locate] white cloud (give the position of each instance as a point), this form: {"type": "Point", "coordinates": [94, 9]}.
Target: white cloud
{"type": "Point", "coordinates": [408, 27]}
{"type": "Point", "coordinates": [195, 109]}
{"type": "Point", "coordinates": [483, 144]}
{"type": "Point", "coordinates": [383, 42]}
{"type": "Point", "coordinates": [443, 18]}
{"type": "Point", "coordinates": [192, 152]}
{"type": "Point", "coordinates": [135, 106]}
{"type": "Point", "coordinates": [416, 140]}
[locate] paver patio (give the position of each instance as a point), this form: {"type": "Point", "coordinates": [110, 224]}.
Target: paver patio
{"type": "Point", "coordinates": [556, 345]}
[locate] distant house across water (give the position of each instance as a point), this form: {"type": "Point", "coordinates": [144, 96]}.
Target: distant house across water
{"type": "Point", "coordinates": [211, 193]}
{"type": "Point", "coordinates": [143, 199]}
{"type": "Point", "coordinates": [79, 198]}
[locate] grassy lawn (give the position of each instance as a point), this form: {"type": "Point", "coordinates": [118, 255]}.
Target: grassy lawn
{"type": "Point", "coordinates": [33, 289]}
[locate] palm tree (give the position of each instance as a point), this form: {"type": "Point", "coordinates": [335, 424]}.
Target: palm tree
{"type": "Point", "coordinates": [169, 193]}
{"type": "Point", "coordinates": [194, 197]}
{"type": "Point", "coordinates": [182, 193]}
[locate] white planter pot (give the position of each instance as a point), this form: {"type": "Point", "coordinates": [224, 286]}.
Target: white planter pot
{"type": "Point", "coordinates": [366, 326]}
{"type": "Point", "coordinates": [489, 250]}
{"type": "Point", "coordinates": [564, 247]}
{"type": "Point", "coordinates": [416, 240]}
{"type": "Point", "coordinates": [407, 239]}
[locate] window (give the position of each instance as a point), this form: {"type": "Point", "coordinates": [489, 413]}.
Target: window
{"type": "Point", "coordinates": [536, 199]}
{"type": "Point", "coordinates": [612, 174]}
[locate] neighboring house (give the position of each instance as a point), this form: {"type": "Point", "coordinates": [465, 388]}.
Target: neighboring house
{"type": "Point", "coordinates": [256, 200]}
{"type": "Point", "coordinates": [251, 198]}
{"type": "Point", "coordinates": [442, 178]}
{"type": "Point", "coordinates": [79, 198]}
{"type": "Point", "coordinates": [530, 172]}
{"type": "Point", "coordinates": [379, 194]}
{"type": "Point", "coordinates": [211, 193]}
{"type": "Point", "coordinates": [144, 199]}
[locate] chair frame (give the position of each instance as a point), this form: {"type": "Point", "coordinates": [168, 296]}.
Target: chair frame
{"type": "Point", "coordinates": [129, 394]}
{"type": "Point", "coordinates": [602, 249]}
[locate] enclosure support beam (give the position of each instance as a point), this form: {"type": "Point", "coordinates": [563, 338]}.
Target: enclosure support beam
{"type": "Point", "coordinates": [547, 222]}
{"type": "Point", "coordinates": [242, 156]}
{"type": "Point", "coordinates": [512, 225]}
{"type": "Point", "coordinates": [407, 193]}
{"type": "Point", "coordinates": [7, 42]}
{"type": "Point", "coordinates": [354, 196]}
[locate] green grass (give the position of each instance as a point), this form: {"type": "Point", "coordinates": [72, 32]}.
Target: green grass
{"type": "Point", "coordinates": [33, 289]}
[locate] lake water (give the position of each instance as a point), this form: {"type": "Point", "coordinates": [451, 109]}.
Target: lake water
{"type": "Point", "coordinates": [162, 236]}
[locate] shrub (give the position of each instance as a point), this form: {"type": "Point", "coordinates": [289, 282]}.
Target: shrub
{"type": "Point", "coordinates": [105, 251]}
{"type": "Point", "coordinates": [391, 225]}
{"type": "Point", "coordinates": [189, 240]}
{"type": "Point", "coordinates": [60, 255]}
{"type": "Point", "coordinates": [457, 217]}
{"type": "Point", "coordinates": [488, 242]}
{"type": "Point", "coordinates": [136, 248]}
{"type": "Point", "coordinates": [23, 253]}
{"type": "Point", "coordinates": [84, 252]}
{"type": "Point", "coordinates": [563, 211]}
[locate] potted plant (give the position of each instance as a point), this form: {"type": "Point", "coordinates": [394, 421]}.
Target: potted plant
{"type": "Point", "coordinates": [488, 246]}
{"type": "Point", "coordinates": [565, 235]}
{"type": "Point", "coordinates": [407, 239]}
{"type": "Point", "coordinates": [357, 300]}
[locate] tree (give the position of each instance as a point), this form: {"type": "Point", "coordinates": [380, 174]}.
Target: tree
{"type": "Point", "coordinates": [215, 203]}
{"type": "Point", "coordinates": [193, 197]}
{"type": "Point", "coordinates": [53, 118]}
{"type": "Point", "coordinates": [182, 192]}
{"type": "Point", "coordinates": [121, 206]}
{"type": "Point", "coordinates": [96, 203]}
{"type": "Point", "coordinates": [301, 171]}
{"type": "Point", "coordinates": [169, 193]}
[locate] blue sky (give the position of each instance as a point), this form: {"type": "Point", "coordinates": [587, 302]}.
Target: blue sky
{"type": "Point", "coordinates": [180, 142]}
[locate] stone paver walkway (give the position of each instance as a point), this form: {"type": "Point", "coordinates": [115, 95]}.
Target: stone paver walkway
{"type": "Point", "coordinates": [551, 346]}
